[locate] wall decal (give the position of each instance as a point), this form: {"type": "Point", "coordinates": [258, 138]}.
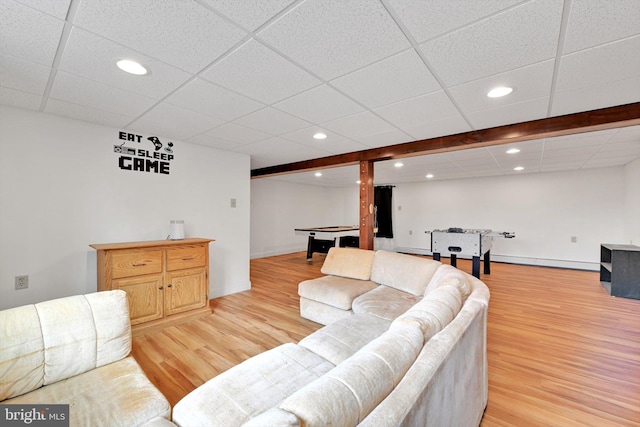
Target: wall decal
{"type": "Point", "coordinates": [152, 159]}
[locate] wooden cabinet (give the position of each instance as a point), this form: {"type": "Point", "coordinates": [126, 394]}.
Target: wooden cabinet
{"type": "Point", "coordinates": [165, 280]}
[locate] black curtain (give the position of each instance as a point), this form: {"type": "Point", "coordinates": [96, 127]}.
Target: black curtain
{"type": "Point", "coordinates": [382, 200]}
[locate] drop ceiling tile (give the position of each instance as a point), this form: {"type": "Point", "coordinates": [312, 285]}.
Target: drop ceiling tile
{"type": "Point", "coordinates": [630, 133]}
{"type": "Point", "coordinates": [359, 125]}
{"type": "Point", "coordinates": [87, 114]}
{"type": "Point", "coordinates": [620, 148]}
{"type": "Point", "coordinates": [413, 112]}
{"type": "Point", "coordinates": [174, 122]}
{"type": "Point", "coordinates": [276, 150]}
{"type": "Point", "coordinates": [249, 15]}
{"type": "Point", "coordinates": [598, 96]}
{"type": "Point", "coordinates": [523, 35]}
{"type": "Point", "coordinates": [20, 99]}
{"type": "Point", "coordinates": [56, 8]}
{"type": "Point", "coordinates": [588, 139]}
{"type": "Point", "coordinates": [272, 121]}
{"type": "Point", "coordinates": [320, 104]}
{"type": "Point", "coordinates": [602, 64]}
{"type": "Point", "coordinates": [595, 22]}
{"type": "Point", "coordinates": [394, 79]}
{"type": "Point", "coordinates": [16, 73]}
{"type": "Point", "coordinates": [211, 141]}
{"type": "Point", "coordinates": [78, 90]}
{"type": "Point", "coordinates": [528, 83]}
{"type": "Point", "coordinates": [333, 144]}
{"type": "Point", "coordinates": [237, 134]}
{"type": "Point", "coordinates": [431, 129]}
{"type": "Point", "coordinates": [95, 57]}
{"type": "Point", "coordinates": [598, 162]}
{"type": "Point", "coordinates": [428, 19]}
{"type": "Point", "coordinates": [29, 34]}
{"type": "Point", "coordinates": [510, 113]}
{"type": "Point", "coordinates": [259, 73]}
{"type": "Point", "coordinates": [207, 98]}
{"type": "Point", "coordinates": [382, 139]}
{"type": "Point", "coordinates": [336, 38]}
{"type": "Point", "coordinates": [181, 33]}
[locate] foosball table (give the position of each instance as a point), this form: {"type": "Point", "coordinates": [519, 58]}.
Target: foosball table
{"type": "Point", "coordinates": [458, 241]}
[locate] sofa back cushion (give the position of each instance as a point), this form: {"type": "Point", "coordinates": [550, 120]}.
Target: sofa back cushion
{"type": "Point", "coordinates": [404, 272]}
{"type": "Point", "coordinates": [449, 275]}
{"type": "Point", "coordinates": [348, 262]}
{"type": "Point", "coordinates": [346, 394]}
{"type": "Point", "coordinates": [50, 341]}
{"type": "Point", "coordinates": [435, 311]}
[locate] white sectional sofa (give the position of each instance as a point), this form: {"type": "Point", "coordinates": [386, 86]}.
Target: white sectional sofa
{"type": "Point", "coordinates": [75, 351]}
{"type": "Point", "coordinates": [404, 345]}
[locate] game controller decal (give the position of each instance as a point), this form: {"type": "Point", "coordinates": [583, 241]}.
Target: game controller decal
{"type": "Point", "coordinates": [155, 160]}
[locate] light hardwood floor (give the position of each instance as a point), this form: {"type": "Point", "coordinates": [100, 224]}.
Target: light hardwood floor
{"type": "Point", "coordinates": [561, 351]}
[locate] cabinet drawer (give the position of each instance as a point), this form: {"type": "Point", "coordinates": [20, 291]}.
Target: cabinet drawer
{"type": "Point", "coordinates": [135, 263]}
{"type": "Point", "coordinates": [186, 257]}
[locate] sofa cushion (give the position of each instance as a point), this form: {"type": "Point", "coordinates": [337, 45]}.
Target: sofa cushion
{"type": "Point", "coordinates": [408, 273]}
{"type": "Point", "coordinates": [274, 417]}
{"type": "Point", "coordinates": [346, 394]}
{"type": "Point", "coordinates": [348, 262]}
{"type": "Point", "coordinates": [449, 275]}
{"type": "Point", "coordinates": [250, 388]}
{"type": "Point", "coordinates": [53, 340]}
{"type": "Point", "coordinates": [21, 351]}
{"type": "Point", "coordinates": [117, 394]}
{"type": "Point", "coordinates": [335, 291]}
{"type": "Point", "coordinates": [436, 310]}
{"type": "Point", "coordinates": [385, 302]}
{"type": "Point", "coordinates": [338, 341]}
{"type": "Point", "coordinates": [321, 313]}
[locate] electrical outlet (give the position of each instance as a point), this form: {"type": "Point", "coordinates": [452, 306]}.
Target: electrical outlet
{"type": "Point", "coordinates": [574, 239]}
{"type": "Point", "coordinates": [22, 282]}
{"type": "Point", "coordinates": [233, 203]}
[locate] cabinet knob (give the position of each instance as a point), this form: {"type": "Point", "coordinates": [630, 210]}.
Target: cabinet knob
{"type": "Point", "coordinates": [160, 287]}
{"type": "Point", "coordinates": [169, 285]}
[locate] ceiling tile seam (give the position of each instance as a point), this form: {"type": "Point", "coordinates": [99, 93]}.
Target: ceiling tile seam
{"type": "Point", "coordinates": [424, 59]}
{"type": "Point", "coordinates": [327, 83]}
{"type": "Point", "coordinates": [474, 22]}
{"type": "Point", "coordinates": [194, 77]}
{"type": "Point", "coordinates": [62, 43]}
{"type": "Point", "coordinates": [262, 26]}
{"type": "Point", "coordinates": [596, 152]}
{"type": "Point", "coordinates": [564, 23]}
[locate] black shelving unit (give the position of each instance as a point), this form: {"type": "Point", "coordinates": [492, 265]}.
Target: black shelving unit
{"type": "Point", "coordinates": [620, 270]}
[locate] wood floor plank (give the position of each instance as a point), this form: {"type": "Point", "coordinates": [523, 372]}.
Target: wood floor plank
{"type": "Point", "coordinates": [561, 351]}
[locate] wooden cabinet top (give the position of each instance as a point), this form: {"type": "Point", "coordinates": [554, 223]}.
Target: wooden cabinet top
{"type": "Point", "coordinates": [149, 244]}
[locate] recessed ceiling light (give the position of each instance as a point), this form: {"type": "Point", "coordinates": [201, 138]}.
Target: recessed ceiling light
{"type": "Point", "coordinates": [318, 173]}
{"type": "Point", "coordinates": [513, 150]}
{"type": "Point", "coordinates": [399, 164]}
{"type": "Point", "coordinates": [499, 91]}
{"type": "Point", "coordinates": [358, 182]}
{"type": "Point", "coordinates": [429, 175]}
{"type": "Point", "coordinates": [319, 135]}
{"type": "Point", "coordinates": [131, 67]}
{"type": "Point", "coordinates": [518, 168]}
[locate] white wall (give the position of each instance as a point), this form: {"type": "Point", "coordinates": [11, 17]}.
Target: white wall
{"type": "Point", "coordinates": [277, 208]}
{"type": "Point", "coordinates": [61, 189]}
{"type": "Point", "coordinates": [544, 210]}
{"type": "Point", "coordinates": [632, 203]}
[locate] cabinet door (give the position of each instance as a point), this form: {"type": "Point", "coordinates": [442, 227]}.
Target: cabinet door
{"type": "Point", "coordinates": [185, 290]}
{"type": "Point", "coordinates": [145, 297]}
